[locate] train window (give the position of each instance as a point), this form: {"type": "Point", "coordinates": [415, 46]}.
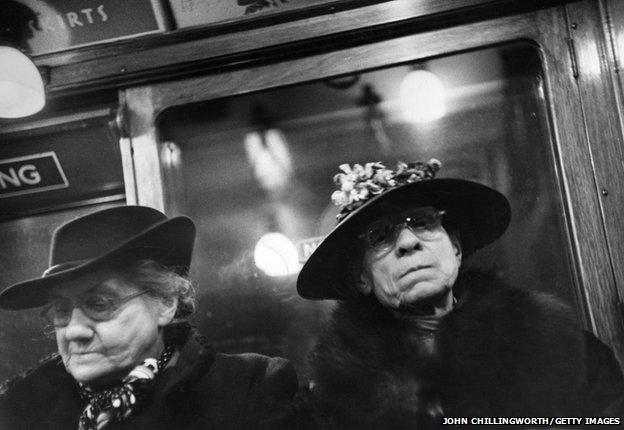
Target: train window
{"type": "Point", "coordinates": [257, 176]}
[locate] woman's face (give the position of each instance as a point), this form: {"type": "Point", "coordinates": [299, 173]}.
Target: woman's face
{"type": "Point", "coordinates": [413, 270]}
{"type": "Point", "coordinates": [96, 351]}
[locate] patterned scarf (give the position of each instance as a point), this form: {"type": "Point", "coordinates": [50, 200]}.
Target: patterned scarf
{"type": "Point", "coordinates": [121, 402]}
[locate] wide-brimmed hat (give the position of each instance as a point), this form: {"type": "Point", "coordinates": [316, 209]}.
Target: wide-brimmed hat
{"type": "Point", "coordinates": [111, 238]}
{"type": "Point", "coordinates": [366, 193]}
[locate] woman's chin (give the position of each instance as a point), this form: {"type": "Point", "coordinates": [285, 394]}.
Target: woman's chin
{"type": "Point", "coordinates": [93, 376]}
{"type": "Point", "coordinates": [426, 300]}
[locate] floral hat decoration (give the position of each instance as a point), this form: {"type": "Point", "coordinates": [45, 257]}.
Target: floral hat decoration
{"type": "Point", "coordinates": [358, 184]}
{"type": "Point", "coordinates": [368, 192]}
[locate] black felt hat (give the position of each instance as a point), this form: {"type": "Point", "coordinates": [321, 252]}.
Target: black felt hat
{"type": "Point", "coordinates": [480, 214]}
{"type": "Point", "coordinates": [111, 238]}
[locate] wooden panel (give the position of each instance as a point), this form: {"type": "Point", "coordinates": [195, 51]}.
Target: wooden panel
{"type": "Point", "coordinates": [580, 185]}
{"type": "Point", "coordinates": [595, 83]}
{"type": "Point", "coordinates": [125, 148]}
{"type": "Point", "coordinates": [402, 49]}
{"type": "Point", "coordinates": [187, 52]}
{"type": "Point", "coordinates": [615, 25]}
{"type": "Point", "coordinates": [127, 162]}
{"type": "Point", "coordinates": [147, 172]}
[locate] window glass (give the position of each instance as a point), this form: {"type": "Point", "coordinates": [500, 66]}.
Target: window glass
{"type": "Point", "coordinates": [257, 176]}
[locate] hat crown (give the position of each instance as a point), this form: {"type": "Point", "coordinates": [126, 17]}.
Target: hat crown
{"type": "Point", "coordinates": [94, 235]}
{"type": "Point", "coordinates": [109, 239]}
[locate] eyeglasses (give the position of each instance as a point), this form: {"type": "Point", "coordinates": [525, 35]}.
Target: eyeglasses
{"type": "Point", "coordinates": [98, 307]}
{"type": "Point", "coordinates": [424, 223]}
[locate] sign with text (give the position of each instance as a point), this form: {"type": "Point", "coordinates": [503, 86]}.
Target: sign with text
{"type": "Point", "coordinates": [60, 166]}
{"type": "Point", "coordinates": [31, 174]}
{"type": "Point", "coordinates": [57, 25]}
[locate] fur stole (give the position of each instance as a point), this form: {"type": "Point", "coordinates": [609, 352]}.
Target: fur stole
{"type": "Point", "coordinates": [501, 352]}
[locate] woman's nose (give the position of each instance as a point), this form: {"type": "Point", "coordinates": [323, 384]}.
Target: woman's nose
{"type": "Point", "coordinates": [79, 326]}
{"type": "Point", "coordinates": [407, 242]}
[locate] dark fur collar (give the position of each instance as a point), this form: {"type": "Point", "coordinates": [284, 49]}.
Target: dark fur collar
{"type": "Point", "coordinates": [502, 351]}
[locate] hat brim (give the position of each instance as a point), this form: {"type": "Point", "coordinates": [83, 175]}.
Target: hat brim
{"type": "Point", "coordinates": [169, 242]}
{"type": "Point", "coordinates": [480, 213]}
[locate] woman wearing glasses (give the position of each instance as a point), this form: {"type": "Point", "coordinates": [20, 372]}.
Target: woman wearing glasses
{"type": "Point", "coordinates": [118, 300]}
{"type": "Point", "coordinates": [415, 343]}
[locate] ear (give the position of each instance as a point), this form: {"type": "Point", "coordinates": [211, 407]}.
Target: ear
{"type": "Point", "coordinates": [456, 246]}
{"type": "Point", "coordinates": [363, 284]}
{"type": "Point", "coordinates": [166, 310]}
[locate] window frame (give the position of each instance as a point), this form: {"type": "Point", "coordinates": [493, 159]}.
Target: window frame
{"type": "Point", "coordinates": [582, 157]}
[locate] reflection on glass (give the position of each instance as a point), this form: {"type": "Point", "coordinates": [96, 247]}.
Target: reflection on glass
{"type": "Point", "coordinates": [241, 186]}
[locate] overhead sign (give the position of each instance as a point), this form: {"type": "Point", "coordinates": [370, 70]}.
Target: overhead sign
{"type": "Point", "coordinates": [31, 174]}
{"type": "Point", "coordinates": [71, 163]}
{"type": "Point", "coordinates": [57, 25]}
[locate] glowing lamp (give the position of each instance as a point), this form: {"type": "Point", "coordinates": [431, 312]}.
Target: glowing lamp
{"type": "Point", "coordinates": [276, 255]}
{"type": "Point", "coordinates": [422, 96]}
{"type": "Point", "coordinates": [21, 86]}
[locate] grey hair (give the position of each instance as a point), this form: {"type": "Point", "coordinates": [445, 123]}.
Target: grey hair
{"type": "Point", "coordinates": [162, 282]}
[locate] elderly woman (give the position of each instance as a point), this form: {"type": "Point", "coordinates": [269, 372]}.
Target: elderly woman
{"type": "Point", "coordinates": [118, 300]}
{"type": "Point", "coordinates": [413, 342]}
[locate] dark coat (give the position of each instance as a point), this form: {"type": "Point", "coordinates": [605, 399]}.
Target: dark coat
{"type": "Point", "coordinates": [204, 390]}
{"type": "Point", "coordinates": [501, 352]}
